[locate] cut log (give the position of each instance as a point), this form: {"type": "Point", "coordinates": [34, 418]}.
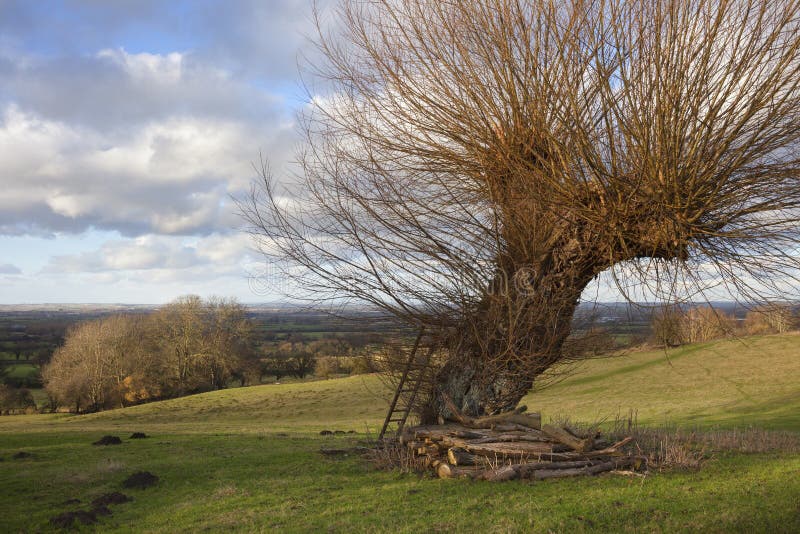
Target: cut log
{"type": "Point", "coordinates": [527, 470]}
{"type": "Point", "coordinates": [467, 434]}
{"type": "Point", "coordinates": [533, 435]}
{"type": "Point", "coordinates": [565, 437]}
{"type": "Point", "coordinates": [522, 449]}
{"type": "Point", "coordinates": [608, 466]}
{"type": "Point", "coordinates": [501, 474]}
{"type": "Point", "coordinates": [509, 427]}
{"type": "Point", "coordinates": [445, 470]}
{"type": "Point", "coordinates": [610, 451]}
{"type": "Point", "coordinates": [458, 456]}
{"type": "Point", "coordinates": [434, 431]}
{"type": "Point", "coordinates": [432, 450]}
{"type": "Point", "coordinates": [530, 420]}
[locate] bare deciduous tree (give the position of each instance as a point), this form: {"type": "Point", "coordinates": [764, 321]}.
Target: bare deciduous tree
{"type": "Point", "coordinates": [188, 345]}
{"type": "Point", "coordinates": [472, 166]}
{"type": "Point", "coordinates": [704, 323]}
{"type": "Point", "coordinates": [770, 318]}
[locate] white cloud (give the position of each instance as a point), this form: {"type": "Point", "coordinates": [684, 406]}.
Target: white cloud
{"type": "Point", "coordinates": [174, 176]}
{"type": "Point", "coordinates": [166, 256]}
{"type": "Point", "coordinates": [147, 68]}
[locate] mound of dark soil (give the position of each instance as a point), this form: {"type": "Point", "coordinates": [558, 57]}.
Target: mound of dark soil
{"type": "Point", "coordinates": [338, 432]}
{"type": "Point", "coordinates": [325, 433]}
{"type": "Point", "coordinates": [138, 435]}
{"type": "Point", "coordinates": [100, 509]}
{"type": "Point", "coordinates": [70, 502]}
{"type": "Point", "coordinates": [21, 454]}
{"type": "Point", "coordinates": [141, 480]}
{"type": "Point", "coordinates": [67, 519]}
{"type": "Point", "coordinates": [108, 440]}
{"type": "Point", "coordinates": [111, 498]}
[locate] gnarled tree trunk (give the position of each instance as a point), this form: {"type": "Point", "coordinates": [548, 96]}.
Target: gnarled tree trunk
{"type": "Point", "coordinates": [516, 334]}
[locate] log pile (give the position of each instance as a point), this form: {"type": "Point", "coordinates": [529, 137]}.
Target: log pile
{"type": "Point", "coordinates": [515, 445]}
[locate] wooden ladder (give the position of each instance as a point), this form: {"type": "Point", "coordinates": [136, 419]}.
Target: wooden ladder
{"type": "Point", "coordinates": [411, 379]}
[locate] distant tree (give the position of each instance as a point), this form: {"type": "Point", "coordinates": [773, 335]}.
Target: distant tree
{"type": "Point", "coordinates": [773, 318]}
{"type": "Point", "coordinates": [89, 370]}
{"type": "Point", "coordinates": [180, 330]}
{"type": "Point", "coordinates": [667, 326]}
{"type": "Point", "coordinates": [275, 363]}
{"type": "Point", "coordinates": [15, 400]}
{"type": "Point", "coordinates": [202, 344]}
{"type": "Point", "coordinates": [704, 323]}
{"type": "Point", "coordinates": [298, 358]}
{"type": "Point", "coordinates": [229, 340]}
{"type": "Point", "coordinates": [188, 345]}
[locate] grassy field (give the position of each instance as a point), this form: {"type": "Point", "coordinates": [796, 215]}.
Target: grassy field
{"type": "Point", "coordinates": [248, 459]}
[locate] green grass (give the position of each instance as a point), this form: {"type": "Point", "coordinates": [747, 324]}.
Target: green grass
{"type": "Point", "coordinates": [751, 381]}
{"type": "Point", "coordinates": [247, 459]}
{"type": "Point", "coordinates": [22, 370]}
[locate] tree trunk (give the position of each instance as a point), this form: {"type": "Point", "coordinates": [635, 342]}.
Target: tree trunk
{"type": "Point", "coordinates": [516, 334]}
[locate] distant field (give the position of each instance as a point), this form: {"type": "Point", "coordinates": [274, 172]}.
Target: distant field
{"type": "Point", "coordinates": [247, 459]}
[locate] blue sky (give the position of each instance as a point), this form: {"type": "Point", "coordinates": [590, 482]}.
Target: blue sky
{"type": "Point", "coordinates": [125, 129]}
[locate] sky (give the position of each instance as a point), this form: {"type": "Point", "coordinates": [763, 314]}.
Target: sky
{"type": "Point", "coordinates": [127, 128]}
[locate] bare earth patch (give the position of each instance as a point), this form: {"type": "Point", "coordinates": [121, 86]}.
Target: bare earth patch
{"type": "Point", "coordinates": [108, 440]}
{"type": "Point", "coordinates": [140, 480]}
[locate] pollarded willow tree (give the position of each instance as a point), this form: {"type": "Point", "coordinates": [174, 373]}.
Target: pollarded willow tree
{"type": "Point", "coordinates": [473, 166]}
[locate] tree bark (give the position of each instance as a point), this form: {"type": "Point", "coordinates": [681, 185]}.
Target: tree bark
{"type": "Point", "coordinates": [518, 330]}
{"type": "Point", "coordinates": [478, 381]}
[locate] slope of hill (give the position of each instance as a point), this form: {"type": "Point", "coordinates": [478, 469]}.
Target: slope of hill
{"type": "Point", "coordinates": [741, 382]}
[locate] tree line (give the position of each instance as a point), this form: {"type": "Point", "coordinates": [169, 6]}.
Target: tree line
{"type": "Point", "coordinates": [673, 326]}
{"type": "Point", "coordinates": [187, 346]}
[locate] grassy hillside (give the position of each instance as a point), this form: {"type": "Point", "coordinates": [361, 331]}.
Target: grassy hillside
{"type": "Point", "coordinates": [750, 381]}
{"type": "Point", "coordinates": [247, 459]}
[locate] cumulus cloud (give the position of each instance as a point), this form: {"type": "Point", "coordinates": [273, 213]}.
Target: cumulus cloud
{"type": "Point", "coordinates": [173, 176]}
{"type": "Point", "coordinates": [217, 252]}
{"type": "Point", "coordinates": [145, 142]}
{"type": "Point", "coordinates": [114, 89]}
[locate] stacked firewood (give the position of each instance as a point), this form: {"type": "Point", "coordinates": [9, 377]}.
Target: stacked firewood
{"type": "Point", "coordinates": [515, 445]}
